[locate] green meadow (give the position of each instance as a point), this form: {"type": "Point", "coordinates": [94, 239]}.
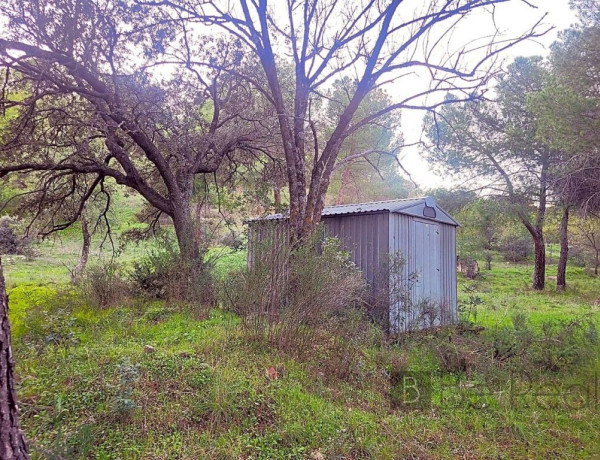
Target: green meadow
{"type": "Point", "coordinates": [155, 379]}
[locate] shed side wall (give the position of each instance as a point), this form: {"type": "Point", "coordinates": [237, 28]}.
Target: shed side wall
{"type": "Point", "coordinates": [366, 237]}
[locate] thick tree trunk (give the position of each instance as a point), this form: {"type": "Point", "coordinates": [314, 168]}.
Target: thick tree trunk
{"type": "Point", "coordinates": [12, 439]}
{"type": "Point", "coordinates": [85, 252]}
{"type": "Point", "coordinates": [186, 239]}
{"type": "Point", "coordinates": [539, 269]}
{"type": "Point", "coordinates": [561, 277]}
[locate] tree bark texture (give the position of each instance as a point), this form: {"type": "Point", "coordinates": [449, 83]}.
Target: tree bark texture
{"type": "Point", "coordinates": [12, 439]}
{"type": "Point", "coordinates": [85, 252]}
{"type": "Point", "coordinates": [561, 277]}
{"type": "Point", "coordinates": [539, 269]}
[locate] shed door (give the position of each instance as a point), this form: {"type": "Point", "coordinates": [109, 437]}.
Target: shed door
{"type": "Point", "coordinates": [426, 267]}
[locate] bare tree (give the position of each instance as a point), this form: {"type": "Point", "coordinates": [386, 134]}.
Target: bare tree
{"type": "Point", "coordinates": [105, 94]}
{"type": "Point", "coordinates": [378, 44]}
{"type": "Point", "coordinates": [12, 439]}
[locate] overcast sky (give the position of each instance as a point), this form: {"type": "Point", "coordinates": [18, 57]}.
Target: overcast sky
{"type": "Point", "coordinates": [514, 17]}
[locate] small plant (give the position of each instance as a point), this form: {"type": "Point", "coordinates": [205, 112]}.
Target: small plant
{"type": "Point", "coordinates": [467, 311]}
{"type": "Point", "coordinates": [52, 322]}
{"type": "Point", "coordinates": [290, 297]}
{"type": "Point", "coordinates": [122, 402]}
{"type": "Point", "coordinates": [156, 313]}
{"type": "Point", "coordinates": [104, 286]}
{"type": "Point", "coordinates": [161, 274]}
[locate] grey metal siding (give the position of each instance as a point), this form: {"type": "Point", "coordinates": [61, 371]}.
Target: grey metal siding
{"type": "Point", "coordinates": [449, 288]}
{"type": "Point", "coordinates": [373, 239]}
{"type": "Point", "coordinates": [365, 237]}
{"type": "Point", "coordinates": [429, 250]}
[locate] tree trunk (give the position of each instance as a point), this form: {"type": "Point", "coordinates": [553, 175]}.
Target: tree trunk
{"type": "Point", "coordinates": [12, 439]}
{"type": "Point", "coordinates": [277, 197]}
{"type": "Point", "coordinates": [561, 277]}
{"type": "Point", "coordinates": [539, 270]}
{"type": "Point", "coordinates": [488, 259]}
{"type": "Point", "coordinates": [186, 239]}
{"type": "Point", "coordinates": [85, 252]}
{"type": "Point", "coordinates": [597, 263]}
{"type": "Point", "coordinates": [345, 180]}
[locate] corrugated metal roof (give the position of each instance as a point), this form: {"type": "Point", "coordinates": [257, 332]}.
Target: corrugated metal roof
{"type": "Point", "coordinates": [394, 206]}
{"type": "Point", "coordinates": [374, 206]}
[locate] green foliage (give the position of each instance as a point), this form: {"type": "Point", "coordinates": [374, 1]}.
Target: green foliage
{"type": "Point", "coordinates": [104, 285]}
{"type": "Point", "coordinates": [453, 200]}
{"type": "Point", "coordinates": [161, 274]}
{"type": "Point", "coordinates": [558, 345]}
{"type": "Point", "coordinates": [206, 390]}
{"type": "Point", "coordinates": [52, 322]}
{"type": "Point", "coordinates": [481, 222]}
{"type": "Point", "coordinates": [122, 402]}
{"type": "Point", "coordinates": [374, 176]}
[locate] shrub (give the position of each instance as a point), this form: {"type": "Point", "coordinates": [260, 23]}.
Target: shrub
{"type": "Point", "coordinates": [104, 286]}
{"type": "Point", "coordinates": [161, 274]}
{"type": "Point", "coordinates": [10, 243]}
{"type": "Point", "coordinates": [292, 297]}
{"type": "Point", "coordinates": [52, 322]}
{"type": "Point", "coordinates": [516, 248]}
{"type": "Point", "coordinates": [558, 346]}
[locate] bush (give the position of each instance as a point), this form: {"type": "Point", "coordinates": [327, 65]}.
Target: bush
{"type": "Point", "coordinates": [516, 248]}
{"type": "Point", "coordinates": [559, 346]}
{"type": "Point", "coordinates": [161, 274]}
{"type": "Point", "coordinates": [52, 322]}
{"type": "Point", "coordinates": [10, 243]}
{"type": "Point", "coordinates": [293, 297]}
{"type": "Point", "coordinates": [104, 286]}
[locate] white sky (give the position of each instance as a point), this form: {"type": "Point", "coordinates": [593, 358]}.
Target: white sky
{"type": "Point", "coordinates": [515, 18]}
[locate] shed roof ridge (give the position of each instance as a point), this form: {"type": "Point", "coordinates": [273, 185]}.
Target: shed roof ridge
{"type": "Point", "coordinates": [377, 202]}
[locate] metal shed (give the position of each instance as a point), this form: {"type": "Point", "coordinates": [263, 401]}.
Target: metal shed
{"type": "Point", "coordinates": [406, 250]}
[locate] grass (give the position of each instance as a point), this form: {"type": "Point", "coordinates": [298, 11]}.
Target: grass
{"type": "Point", "coordinates": [90, 388]}
{"type": "Point", "coordinates": [506, 290]}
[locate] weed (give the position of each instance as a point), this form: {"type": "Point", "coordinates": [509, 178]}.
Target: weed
{"type": "Point", "coordinates": [52, 322]}
{"type": "Point", "coordinates": [123, 403]}
{"type": "Point", "coordinates": [104, 286]}
{"type": "Point", "coordinates": [161, 274]}
{"type": "Point", "coordinates": [290, 296]}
